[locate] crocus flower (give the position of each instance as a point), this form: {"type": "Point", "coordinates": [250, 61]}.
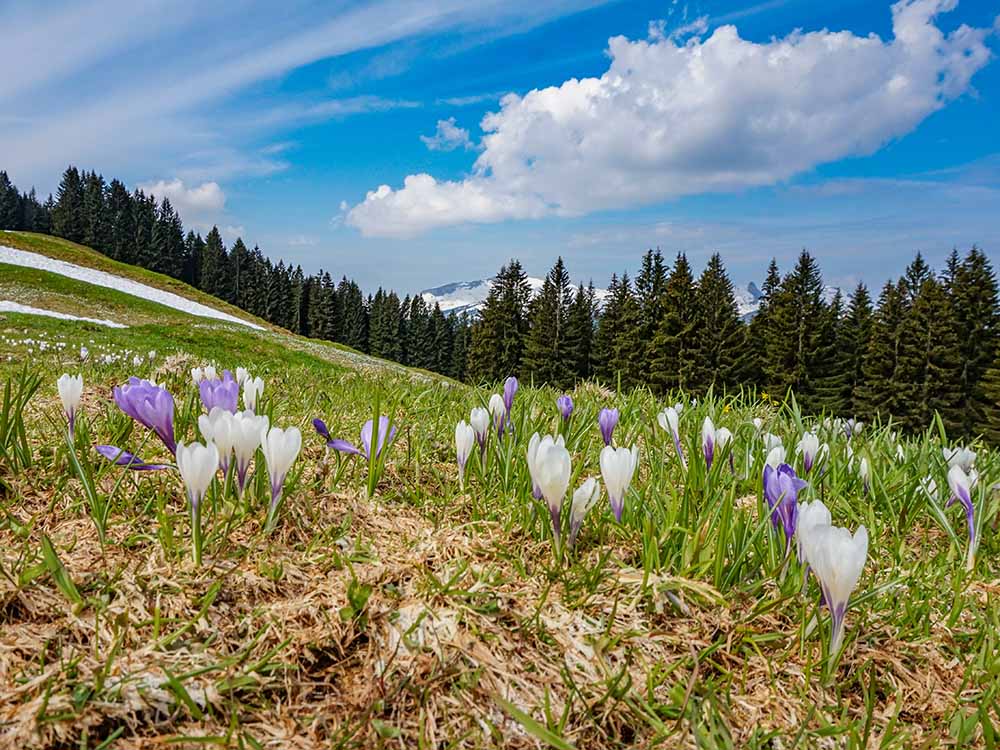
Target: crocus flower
{"type": "Point", "coordinates": [223, 392]}
{"type": "Point", "coordinates": [961, 486]}
{"type": "Point", "coordinates": [479, 418]}
{"type": "Point", "coordinates": [241, 375]}
{"type": "Point", "coordinates": [510, 386]}
{"type": "Point", "coordinates": [465, 437]}
{"type": "Point", "coordinates": [247, 429]}
{"type": "Point", "coordinates": [217, 427]}
{"type": "Point", "coordinates": [128, 460]}
{"type": "Point", "coordinates": [669, 420]}
{"type": "Point", "coordinates": [280, 448]}
{"type": "Point", "coordinates": [197, 464]}
{"type": "Point", "coordinates": [552, 471]}
{"type": "Point", "coordinates": [811, 450]}
{"type": "Point", "coordinates": [149, 405]}
{"type": "Point", "coordinates": [775, 457]}
{"type": "Point", "coordinates": [607, 420]}
{"type": "Point", "coordinates": [853, 427]}
{"type": "Point", "coordinates": [781, 490]}
{"type": "Point", "coordinates": [960, 457]}
{"type": "Point", "coordinates": [865, 472]}
{"type": "Point", "coordinates": [618, 467]}
{"type": "Point", "coordinates": [533, 445]}
{"type": "Point", "coordinates": [771, 442]}
{"type": "Point", "coordinates": [321, 429]}
{"type": "Point", "coordinates": [385, 430]}
{"type": "Point", "coordinates": [837, 559]}
{"type": "Point", "coordinates": [810, 516]}
{"type": "Point", "coordinates": [586, 495]}
{"type": "Point", "coordinates": [758, 423]}
{"type": "Point", "coordinates": [203, 373]}
{"type": "Point", "coordinates": [722, 438]}
{"type": "Point", "coordinates": [708, 441]}
{"type": "Point", "coordinates": [565, 405]}
{"type": "Point", "coordinates": [70, 392]}
{"type": "Point", "coordinates": [928, 485]}
{"type": "Point", "coordinates": [252, 388]}
{"type": "Point", "coordinates": [499, 412]}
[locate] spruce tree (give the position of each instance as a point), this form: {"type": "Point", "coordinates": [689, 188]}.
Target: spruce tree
{"type": "Point", "coordinates": [578, 351]}
{"type": "Point", "coordinates": [545, 351]}
{"type": "Point", "coordinates": [96, 227]}
{"type": "Point", "coordinates": [121, 232]}
{"type": "Point", "coordinates": [9, 200]}
{"type": "Point", "coordinates": [608, 329]}
{"type": "Point", "coordinates": [881, 393]}
{"type": "Point", "coordinates": [929, 363]}
{"type": "Point", "coordinates": [498, 337]}
{"type": "Point", "coordinates": [67, 215]}
{"type": "Point", "coordinates": [677, 340]}
{"type": "Point", "coordinates": [649, 288]}
{"type": "Point", "coordinates": [974, 300]}
{"type": "Point", "coordinates": [759, 330]}
{"type": "Point", "coordinates": [852, 344]}
{"type": "Point", "coordinates": [721, 335]}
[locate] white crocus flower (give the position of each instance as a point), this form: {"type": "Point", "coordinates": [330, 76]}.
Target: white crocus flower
{"type": "Point", "coordinates": [669, 420]}
{"type": "Point", "coordinates": [618, 467]}
{"type": "Point", "coordinates": [479, 418]}
{"type": "Point", "coordinates": [775, 456]}
{"type": "Point", "coordinates": [809, 448]}
{"type": "Point", "coordinates": [247, 429]}
{"type": "Point", "coordinates": [241, 375]}
{"type": "Point", "coordinates": [70, 392]}
{"type": "Point", "coordinates": [217, 427]}
{"type": "Point", "coordinates": [499, 412]}
{"type": "Point", "coordinates": [837, 558]}
{"type": "Point", "coordinates": [865, 472]}
{"type": "Point", "coordinates": [552, 472]}
{"type": "Point", "coordinates": [252, 388]}
{"type": "Point", "coordinates": [811, 516]}
{"type": "Point", "coordinates": [197, 465]}
{"type": "Point", "coordinates": [771, 442]}
{"type": "Point", "coordinates": [586, 495]}
{"type": "Point", "coordinates": [465, 438]}
{"type": "Point", "coordinates": [960, 456]}
{"type": "Point", "coordinates": [280, 448]}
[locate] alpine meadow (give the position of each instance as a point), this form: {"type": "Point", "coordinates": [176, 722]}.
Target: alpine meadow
{"type": "Point", "coordinates": [723, 473]}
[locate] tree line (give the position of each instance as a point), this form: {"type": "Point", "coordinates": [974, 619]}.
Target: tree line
{"type": "Point", "coordinates": [929, 344]}
{"type": "Point", "coordinates": [136, 228]}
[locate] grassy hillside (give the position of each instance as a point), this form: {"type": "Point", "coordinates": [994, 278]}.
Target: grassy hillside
{"type": "Point", "coordinates": [428, 614]}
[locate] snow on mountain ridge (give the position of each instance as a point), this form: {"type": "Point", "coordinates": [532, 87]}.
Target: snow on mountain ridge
{"type": "Point", "coordinates": [459, 297]}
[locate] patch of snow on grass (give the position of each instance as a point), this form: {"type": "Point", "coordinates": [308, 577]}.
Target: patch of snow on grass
{"type": "Point", "coordinates": [16, 307]}
{"type": "Point", "coordinates": [102, 278]}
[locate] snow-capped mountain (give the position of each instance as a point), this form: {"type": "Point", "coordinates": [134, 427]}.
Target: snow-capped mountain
{"type": "Point", "coordinates": [468, 296]}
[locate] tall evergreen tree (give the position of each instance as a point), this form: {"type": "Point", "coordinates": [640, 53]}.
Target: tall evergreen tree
{"type": "Point", "coordinates": [578, 350]}
{"type": "Point", "coordinates": [881, 393]}
{"type": "Point", "coordinates": [498, 336]}
{"type": "Point", "coordinates": [67, 215]}
{"type": "Point", "coordinates": [852, 344]}
{"type": "Point", "coordinates": [677, 340]}
{"type": "Point", "coordinates": [650, 285]}
{"type": "Point", "coordinates": [9, 200]}
{"type": "Point", "coordinates": [545, 356]}
{"type": "Point", "coordinates": [721, 335]}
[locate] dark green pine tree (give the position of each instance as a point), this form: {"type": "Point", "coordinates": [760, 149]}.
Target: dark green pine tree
{"type": "Point", "coordinates": [578, 350]}
{"type": "Point", "coordinates": [442, 329]}
{"type": "Point", "coordinates": [96, 226]}
{"type": "Point", "coordinates": [353, 315]}
{"type": "Point", "coordinates": [650, 285]}
{"type": "Point", "coordinates": [720, 363]}
{"type": "Point", "coordinates": [419, 334]}
{"type": "Point", "coordinates": [677, 340]}
{"type": "Point", "coordinates": [793, 330]}
{"type": "Point", "coordinates": [168, 241]}
{"type": "Point", "coordinates": [881, 391]}
{"type": "Point", "coordinates": [143, 220]}
{"type": "Point", "coordinates": [607, 332]}
{"type": "Point", "coordinates": [299, 308]}
{"type": "Point", "coordinates": [974, 301]}
{"type": "Point", "coordinates": [831, 392]}
{"type": "Point", "coordinates": [460, 348]}
{"type": "Point", "coordinates": [213, 265]}
{"type": "Point", "coordinates": [545, 356]}
{"type": "Point", "coordinates": [9, 200]}
{"type": "Point", "coordinates": [759, 330]}
{"type": "Point", "coordinates": [929, 362]}
{"type": "Point", "coordinates": [990, 425]}
{"type": "Point", "coordinates": [852, 343]}
{"type": "Point", "coordinates": [913, 279]}
{"type": "Point", "coordinates": [121, 230]}
{"type": "Point", "coordinates": [499, 335]}
{"type": "Point", "coordinates": [194, 249]}
{"type": "Point", "coordinates": [68, 219]}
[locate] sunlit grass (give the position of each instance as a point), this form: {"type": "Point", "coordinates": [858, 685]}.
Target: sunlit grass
{"type": "Point", "coordinates": [388, 605]}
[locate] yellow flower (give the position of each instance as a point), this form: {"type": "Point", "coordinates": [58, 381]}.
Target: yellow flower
{"type": "Point", "coordinates": [764, 396]}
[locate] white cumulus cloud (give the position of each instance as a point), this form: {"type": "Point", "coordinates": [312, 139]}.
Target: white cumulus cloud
{"type": "Point", "coordinates": [195, 204]}
{"type": "Point", "coordinates": [669, 119]}
{"type": "Point", "coordinates": [447, 137]}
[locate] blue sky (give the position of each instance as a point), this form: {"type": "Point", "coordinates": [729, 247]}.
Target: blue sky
{"type": "Point", "coordinates": [860, 130]}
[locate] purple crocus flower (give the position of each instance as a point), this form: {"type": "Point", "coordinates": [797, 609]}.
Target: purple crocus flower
{"type": "Point", "coordinates": [149, 405]}
{"type": "Point", "coordinates": [961, 485]}
{"type": "Point", "coordinates": [344, 446]}
{"type": "Point", "coordinates": [565, 404]}
{"type": "Point", "coordinates": [781, 489]}
{"type": "Point", "coordinates": [510, 386]}
{"type": "Point", "coordinates": [128, 460]}
{"type": "Point", "coordinates": [607, 420]}
{"type": "Point", "coordinates": [224, 392]}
